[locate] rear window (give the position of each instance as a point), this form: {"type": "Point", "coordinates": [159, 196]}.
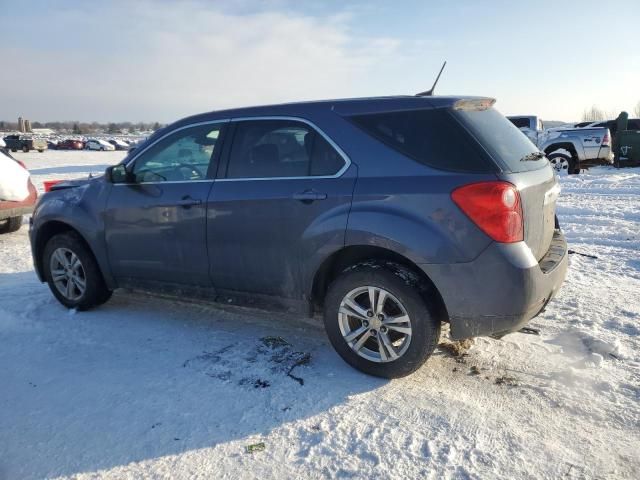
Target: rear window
{"type": "Point", "coordinates": [504, 142]}
{"type": "Point", "coordinates": [431, 137]}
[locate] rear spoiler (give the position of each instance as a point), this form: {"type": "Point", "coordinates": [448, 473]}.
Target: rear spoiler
{"type": "Point", "coordinates": [474, 104]}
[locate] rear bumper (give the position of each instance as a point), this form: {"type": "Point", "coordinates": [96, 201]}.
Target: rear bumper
{"type": "Point", "coordinates": [594, 162]}
{"type": "Point", "coordinates": [502, 289]}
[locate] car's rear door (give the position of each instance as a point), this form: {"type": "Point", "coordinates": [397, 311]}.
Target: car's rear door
{"type": "Point", "coordinates": [281, 203]}
{"type": "Point", "coordinates": [155, 226]}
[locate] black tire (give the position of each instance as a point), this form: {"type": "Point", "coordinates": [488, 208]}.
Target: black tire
{"type": "Point", "coordinates": [25, 149]}
{"type": "Point", "coordinates": [407, 289]}
{"type": "Point", "coordinates": [96, 292]}
{"type": "Point", "coordinates": [11, 225]}
{"type": "Point", "coordinates": [572, 163]}
{"type": "Point", "coordinates": [574, 167]}
{"type": "Point", "coordinates": [14, 150]}
{"type": "Point", "coordinates": [40, 150]}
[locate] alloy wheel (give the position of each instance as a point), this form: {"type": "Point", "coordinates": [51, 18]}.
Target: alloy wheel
{"type": "Point", "coordinates": [67, 273]}
{"type": "Point", "coordinates": [375, 324]}
{"type": "Point", "coordinates": [560, 165]}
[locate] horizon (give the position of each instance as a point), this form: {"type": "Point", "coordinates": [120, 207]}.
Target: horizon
{"type": "Point", "coordinates": [160, 61]}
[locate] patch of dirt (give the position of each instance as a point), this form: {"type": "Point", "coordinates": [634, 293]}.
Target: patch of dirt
{"type": "Point", "coordinates": [456, 349]}
{"type": "Point", "coordinates": [260, 364]}
{"type": "Point", "coordinates": [507, 380]}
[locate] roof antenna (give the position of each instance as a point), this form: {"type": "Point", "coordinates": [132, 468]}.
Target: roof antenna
{"type": "Point", "coordinates": [429, 93]}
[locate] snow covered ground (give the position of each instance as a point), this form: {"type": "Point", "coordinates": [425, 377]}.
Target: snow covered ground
{"type": "Point", "coordinates": [148, 387]}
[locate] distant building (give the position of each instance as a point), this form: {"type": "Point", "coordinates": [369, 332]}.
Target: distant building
{"type": "Point", "coordinates": [27, 126]}
{"type": "Point", "coordinates": [21, 124]}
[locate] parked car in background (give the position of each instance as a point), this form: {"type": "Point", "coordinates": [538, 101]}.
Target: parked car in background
{"type": "Point", "coordinates": [25, 143]}
{"type": "Point", "coordinates": [441, 211]}
{"type": "Point", "coordinates": [71, 144]}
{"type": "Point", "coordinates": [52, 144]}
{"type": "Point", "coordinates": [612, 125]}
{"type": "Point", "coordinates": [12, 211]}
{"type": "Point", "coordinates": [569, 150]}
{"type": "Point", "coordinates": [98, 144]}
{"type": "Point", "coordinates": [119, 144]}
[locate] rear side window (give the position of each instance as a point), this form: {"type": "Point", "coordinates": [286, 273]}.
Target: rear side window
{"type": "Point", "coordinates": [520, 122]}
{"type": "Point", "coordinates": [430, 137]}
{"type": "Point", "coordinates": [504, 142]}
{"type": "Point", "coordinates": [282, 149]}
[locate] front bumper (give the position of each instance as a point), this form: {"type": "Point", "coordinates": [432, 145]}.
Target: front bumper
{"type": "Point", "coordinates": [502, 289]}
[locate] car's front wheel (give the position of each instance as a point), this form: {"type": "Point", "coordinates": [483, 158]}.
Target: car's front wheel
{"type": "Point", "coordinates": [378, 321]}
{"type": "Point", "coordinates": [72, 272]}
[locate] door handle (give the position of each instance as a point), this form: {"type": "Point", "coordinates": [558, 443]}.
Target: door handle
{"type": "Point", "coordinates": [309, 196]}
{"type": "Point", "coordinates": [187, 201]}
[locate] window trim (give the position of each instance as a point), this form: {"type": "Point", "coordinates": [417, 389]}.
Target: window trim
{"type": "Point", "coordinates": [343, 155]}
{"type": "Point", "coordinates": [135, 157]}
{"type": "Point", "coordinates": [231, 122]}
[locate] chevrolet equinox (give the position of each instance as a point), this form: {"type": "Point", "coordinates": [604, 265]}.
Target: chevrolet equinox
{"type": "Point", "coordinates": [387, 215]}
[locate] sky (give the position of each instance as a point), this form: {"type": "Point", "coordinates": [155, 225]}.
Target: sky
{"type": "Point", "coordinates": [162, 60]}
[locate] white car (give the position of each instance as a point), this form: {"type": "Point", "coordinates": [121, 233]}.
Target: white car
{"type": "Point", "coordinates": [102, 145]}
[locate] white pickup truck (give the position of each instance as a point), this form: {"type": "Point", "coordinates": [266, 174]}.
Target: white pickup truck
{"type": "Point", "coordinates": [568, 149]}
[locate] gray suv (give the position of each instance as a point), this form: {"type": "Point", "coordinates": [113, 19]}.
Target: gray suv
{"type": "Point", "coordinates": [388, 215]}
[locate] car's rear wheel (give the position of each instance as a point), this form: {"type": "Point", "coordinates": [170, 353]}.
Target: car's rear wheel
{"type": "Point", "coordinates": [378, 322]}
{"type": "Point", "coordinates": [563, 164]}
{"type": "Point", "coordinates": [72, 273]}
{"type": "Point", "coordinates": [10, 225]}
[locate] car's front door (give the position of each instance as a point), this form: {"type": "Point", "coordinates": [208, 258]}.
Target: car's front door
{"type": "Point", "coordinates": [155, 224]}
{"type": "Point", "coordinates": [281, 203]}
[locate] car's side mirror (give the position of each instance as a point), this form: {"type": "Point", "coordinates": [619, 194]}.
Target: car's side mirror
{"type": "Point", "coordinates": [118, 174]}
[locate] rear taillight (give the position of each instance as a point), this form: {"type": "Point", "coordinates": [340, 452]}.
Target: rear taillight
{"type": "Point", "coordinates": [606, 140]}
{"type": "Point", "coordinates": [494, 207]}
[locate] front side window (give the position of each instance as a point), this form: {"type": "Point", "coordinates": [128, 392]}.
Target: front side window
{"type": "Point", "coordinates": [280, 149]}
{"type": "Point", "coordinates": [185, 155]}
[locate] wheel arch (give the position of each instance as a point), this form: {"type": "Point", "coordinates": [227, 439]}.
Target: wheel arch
{"type": "Point", "coordinates": [570, 147]}
{"type": "Point", "coordinates": [353, 255]}
{"type": "Point", "coordinates": [49, 230]}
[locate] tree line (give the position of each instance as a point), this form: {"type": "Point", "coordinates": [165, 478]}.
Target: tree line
{"type": "Point", "coordinates": [596, 114]}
